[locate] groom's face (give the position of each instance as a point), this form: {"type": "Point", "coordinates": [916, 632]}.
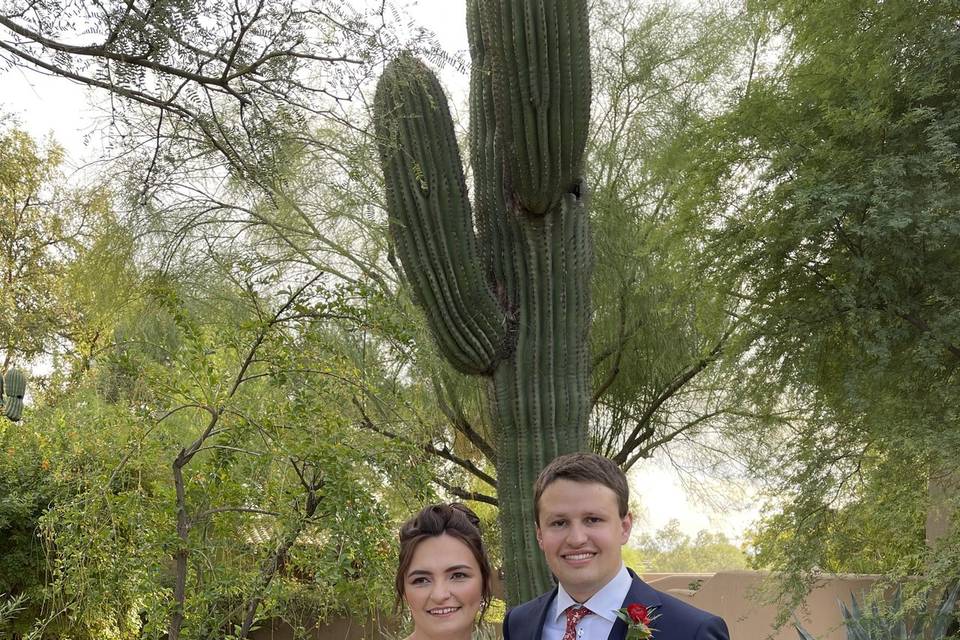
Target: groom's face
{"type": "Point", "coordinates": [581, 532]}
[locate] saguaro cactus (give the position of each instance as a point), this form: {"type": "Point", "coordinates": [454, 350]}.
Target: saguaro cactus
{"type": "Point", "coordinates": [506, 295]}
{"type": "Point", "coordinates": [13, 386]}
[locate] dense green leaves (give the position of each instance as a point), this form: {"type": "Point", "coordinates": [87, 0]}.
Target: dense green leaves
{"type": "Point", "coordinates": [288, 509]}
{"type": "Point", "coordinates": [659, 328]}
{"type": "Point", "coordinates": [830, 205]}
{"type": "Point", "coordinates": [92, 477]}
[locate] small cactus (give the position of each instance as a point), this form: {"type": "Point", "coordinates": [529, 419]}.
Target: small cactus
{"type": "Point", "coordinates": [13, 386]}
{"type": "Point", "coordinates": [13, 409]}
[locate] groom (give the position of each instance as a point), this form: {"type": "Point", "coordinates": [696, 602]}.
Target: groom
{"type": "Point", "coordinates": [580, 503]}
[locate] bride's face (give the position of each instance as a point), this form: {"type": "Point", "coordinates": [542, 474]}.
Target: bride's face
{"type": "Point", "coordinates": [443, 588]}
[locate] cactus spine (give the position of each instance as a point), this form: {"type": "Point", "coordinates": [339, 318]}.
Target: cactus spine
{"type": "Point", "coordinates": [511, 300]}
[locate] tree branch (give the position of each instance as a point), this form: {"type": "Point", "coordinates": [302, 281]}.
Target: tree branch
{"type": "Point", "coordinates": [649, 448]}
{"type": "Point", "coordinates": [226, 448]}
{"type": "Point", "coordinates": [460, 423]}
{"type": "Point", "coordinates": [278, 559]}
{"type": "Point", "coordinates": [444, 452]}
{"type": "Point", "coordinates": [643, 427]}
{"type": "Point", "coordinates": [186, 455]}
{"type": "Point", "coordinates": [618, 351]}
{"type": "Point", "coordinates": [463, 494]}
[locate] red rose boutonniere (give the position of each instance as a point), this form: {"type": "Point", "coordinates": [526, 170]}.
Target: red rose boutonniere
{"type": "Point", "coordinates": [638, 619]}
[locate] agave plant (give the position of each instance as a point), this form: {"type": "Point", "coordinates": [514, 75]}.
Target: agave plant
{"type": "Point", "coordinates": [10, 606]}
{"type": "Point", "coordinates": [873, 624]}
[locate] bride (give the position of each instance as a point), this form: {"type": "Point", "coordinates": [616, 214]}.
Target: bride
{"type": "Point", "coordinates": [443, 575]}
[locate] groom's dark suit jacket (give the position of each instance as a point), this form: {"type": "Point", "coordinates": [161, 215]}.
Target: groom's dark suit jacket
{"type": "Point", "coordinates": [678, 620]}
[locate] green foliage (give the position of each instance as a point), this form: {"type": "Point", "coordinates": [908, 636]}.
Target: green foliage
{"type": "Point", "coordinates": [849, 227]}
{"type": "Point", "coordinates": [66, 263]}
{"type": "Point", "coordinates": [829, 202]}
{"type": "Point", "coordinates": [659, 328]}
{"type": "Point", "coordinates": [9, 607]}
{"type": "Point", "coordinates": [670, 550]}
{"type": "Point", "coordinates": [88, 515]}
{"type": "Point", "coordinates": [34, 233]}
{"type": "Point", "coordinates": [50, 467]}
{"type": "Point", "coordinates": [879, 527]}
{"type": "Point", "coordinates": [25, 491]}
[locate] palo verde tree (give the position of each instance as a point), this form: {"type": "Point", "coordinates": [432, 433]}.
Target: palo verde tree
{"type": "Point", "coordinates": [661, 334]}
{"type": "Point", "coordinates": [511, 301]}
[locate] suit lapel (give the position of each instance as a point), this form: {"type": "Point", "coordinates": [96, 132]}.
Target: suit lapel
{"type": "Point", "coordinates": [639, 592]}
{"type": "Point", "coordinates": [542, 615]}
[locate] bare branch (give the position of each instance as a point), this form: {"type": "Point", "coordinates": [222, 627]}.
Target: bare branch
{"type": "Point", "coordinates": [443, 452]}
{"type": "Point", "coordinates": [463, 494]}
{"type": "Point", "coordinates": [643, 428]}
{"type": "Point", "coordinates": [459, 422]}
{"type": "Point", "coordinates": [651, 446]}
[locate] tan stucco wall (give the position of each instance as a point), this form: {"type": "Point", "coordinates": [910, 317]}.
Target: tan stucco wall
{"type": "Point", "coordinates": [942, 490]}
{"type": "Point", "coordinates": [337, 629]}
{"type": "Point", "coordinates": [728, 594]}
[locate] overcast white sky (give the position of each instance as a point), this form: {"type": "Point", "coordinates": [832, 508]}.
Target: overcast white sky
{"type": "Point", "coordinates": [52, 105]}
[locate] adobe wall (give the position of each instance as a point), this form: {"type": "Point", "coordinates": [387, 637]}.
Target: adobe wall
{"type": "Point", "coordinates": [334, 629]}
{"type": "Point", "coordinates": [728, 595]}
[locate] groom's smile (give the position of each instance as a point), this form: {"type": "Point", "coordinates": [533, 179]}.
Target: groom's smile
{"type": "Point", "coordinates": [580, 531]}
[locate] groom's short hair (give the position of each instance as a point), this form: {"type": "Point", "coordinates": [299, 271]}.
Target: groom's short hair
{"type": "Point", "coordinates": [586, 468]}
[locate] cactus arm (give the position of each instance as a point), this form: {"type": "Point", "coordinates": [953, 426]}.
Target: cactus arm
{"type": "Point", "coordinates": [431, 219]}
{"type": "Point", "coordinates": [541, 69]}
{"type": "Point", "coordinates": [13, 409]}
{"type": "Point", "coordinates": [494, 229]}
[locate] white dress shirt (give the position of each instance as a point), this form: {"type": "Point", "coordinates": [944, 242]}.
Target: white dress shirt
{"type": "Point", "coordinates": [599, 622]}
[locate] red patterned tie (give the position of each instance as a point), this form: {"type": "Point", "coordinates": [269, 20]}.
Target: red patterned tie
{"type": "Point", "coordinates": [575, 613]}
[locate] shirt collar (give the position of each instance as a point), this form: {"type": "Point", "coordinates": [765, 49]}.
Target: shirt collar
{"type": "Point", "coordinates": [603, 603]}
